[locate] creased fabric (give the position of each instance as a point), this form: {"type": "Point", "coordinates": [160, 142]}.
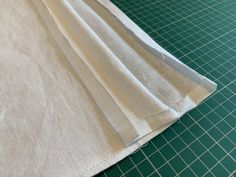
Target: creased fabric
{"type": "Point", "coordinates": [82, 87]}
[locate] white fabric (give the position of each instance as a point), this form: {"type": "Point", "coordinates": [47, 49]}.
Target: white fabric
{"type": "Point", "coordinates": [78, 98]}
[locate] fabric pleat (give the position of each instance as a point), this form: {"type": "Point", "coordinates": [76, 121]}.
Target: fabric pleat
{"type": "Point", "coordinates": [138, 88]}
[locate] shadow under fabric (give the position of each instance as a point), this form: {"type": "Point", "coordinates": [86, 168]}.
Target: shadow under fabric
{"type": "Point", "coordinates": [133, 89]}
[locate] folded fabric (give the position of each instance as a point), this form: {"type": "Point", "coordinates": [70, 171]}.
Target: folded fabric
{"type": "Point", "coordinates": [75, 103]}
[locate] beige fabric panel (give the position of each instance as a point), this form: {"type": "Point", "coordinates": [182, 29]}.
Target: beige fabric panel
{"type": "Point", "coordinates": [80, 90]}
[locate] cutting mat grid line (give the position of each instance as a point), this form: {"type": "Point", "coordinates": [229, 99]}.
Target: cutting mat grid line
{"type": "Point", "coordinates": [201, 34]}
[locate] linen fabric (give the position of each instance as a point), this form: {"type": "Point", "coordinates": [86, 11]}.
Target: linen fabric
{"type": "Point", "coordinates": [82, 87]}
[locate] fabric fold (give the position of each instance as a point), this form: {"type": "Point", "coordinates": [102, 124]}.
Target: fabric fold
{"type": "Point", "coordinates": [138, 86]}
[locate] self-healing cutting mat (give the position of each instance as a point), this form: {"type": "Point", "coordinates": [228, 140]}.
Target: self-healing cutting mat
{"type": "Point", "coordinates": [202, 34]}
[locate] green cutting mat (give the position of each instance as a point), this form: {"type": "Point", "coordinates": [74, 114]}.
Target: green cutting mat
{"type": "Point", "coordinates": [202, 34]}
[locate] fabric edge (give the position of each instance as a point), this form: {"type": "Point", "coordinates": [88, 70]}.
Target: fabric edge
{"type": "Point", "coordinates": [139, 143]}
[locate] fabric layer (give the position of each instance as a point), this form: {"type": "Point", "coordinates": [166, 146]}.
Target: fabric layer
{"type": "Point", "coordinates": [78, 98]}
